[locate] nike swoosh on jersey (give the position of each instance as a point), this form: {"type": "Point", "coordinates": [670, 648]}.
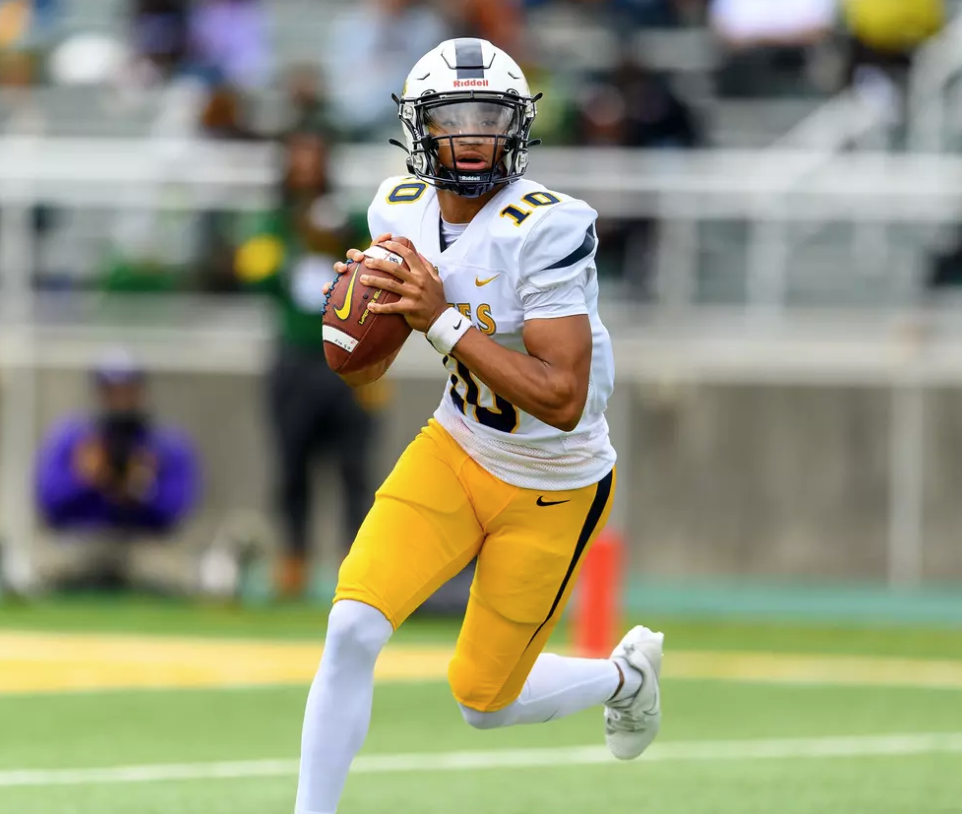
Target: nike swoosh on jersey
{"type": "Point", "coordinates": [542, 502]}
{"type": "Point", "coordinates": [479, 282]}
{"type": "Point", "coordinates": [344, 311]}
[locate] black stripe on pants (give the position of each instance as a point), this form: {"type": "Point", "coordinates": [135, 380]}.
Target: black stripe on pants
{"type": "Point", "coordinates": [602, 493]}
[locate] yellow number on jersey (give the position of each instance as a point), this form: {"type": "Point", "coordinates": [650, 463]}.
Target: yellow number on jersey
{"type": "Point", "coordinates": [408, 192]}
{"type": "Point", "coordinates": [533, 199]}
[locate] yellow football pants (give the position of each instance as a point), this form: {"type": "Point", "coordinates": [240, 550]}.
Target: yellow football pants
{"type": "Point", "coordinates": [437, 511]}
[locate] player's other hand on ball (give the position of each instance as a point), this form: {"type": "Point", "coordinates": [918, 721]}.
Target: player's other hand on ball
{"type": "Point", "coordinates": [355, 256]}
{"type": "Point", "coordinates": [417, 284]}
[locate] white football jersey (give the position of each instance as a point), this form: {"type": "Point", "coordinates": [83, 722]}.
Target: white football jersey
{"type": "Point", "coordinates": [529, 254]}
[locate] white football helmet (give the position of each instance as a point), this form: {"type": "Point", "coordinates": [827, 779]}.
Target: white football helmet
{"type": "Point", "coordinates": [472, 95]}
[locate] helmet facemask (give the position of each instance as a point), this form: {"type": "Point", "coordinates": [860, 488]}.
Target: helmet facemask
{"type": "Point", "coordinates": [467, 143]}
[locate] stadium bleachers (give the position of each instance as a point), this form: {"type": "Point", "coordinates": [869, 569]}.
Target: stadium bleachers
{"type": "Point", "coordinates": [815, 256]}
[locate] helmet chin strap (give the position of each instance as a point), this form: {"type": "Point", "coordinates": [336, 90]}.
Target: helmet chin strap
{"type": "Point", "coordinates": [474, 189]}
{"type": "Point", "coordinates": [450, 180]}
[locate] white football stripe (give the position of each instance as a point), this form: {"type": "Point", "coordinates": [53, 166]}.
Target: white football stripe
{"type": "Point", "coordinates": [337, 337]}
{"type": "Point", "coordinates": [834, 747]}
{"type": "Point", "coordinates": [384, 254]}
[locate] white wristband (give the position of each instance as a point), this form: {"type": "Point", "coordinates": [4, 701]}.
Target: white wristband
{"type": "Point", "coordinates": [447, 330]}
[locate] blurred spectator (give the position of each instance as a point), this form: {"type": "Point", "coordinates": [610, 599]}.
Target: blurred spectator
{"type": "Point", "coordinates": [27, 30]}
{"type": "Point", "coordinates": [217, 231]}
{"type": "Point", "coordinates": [18, 69]}
{"type": "Point", "coordinates": [115, 483]}
{"type": "Point", "coordinates": [160, 35]}
{"type": "Point", "coordinates": [229, 41]}
{"type": "Point", "coordinates": [306, 99]}
{"type": "Point", "coordinates": [628, 15]}
{"type": "Point", "coordinates": [369, 51]}
{"type": "Point", "coordinates": [223, 115]}
{"type": "Point", "coordinates": [884, 35]}
{"type": "Point", "coordinates": [631, 14]}
{"type": "Point", "coordinates": [504, 23]}
{"type": "Point", "coordinates": [944, 272]}
{"type": "Point", "coordinates": [768, 45]}
{"type": "Point", "coordinates": [313, 412]}
{"type": "Point", "coordinates": [89, 59]}
{"type": "Point", "coordinates": [27, 24]}
{"type": "Point", "coordinates": [633, 107]}
{"type": "Point", "coordinates": [14, 22]}
{"type": "Point", "coordinates": [498, 21]}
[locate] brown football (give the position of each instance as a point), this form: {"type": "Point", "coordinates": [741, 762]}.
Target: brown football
{"type": "Point", "coordinates": [355, 338]}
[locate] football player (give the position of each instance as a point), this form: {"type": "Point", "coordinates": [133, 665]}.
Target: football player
{"type": "Point", "coordinates": [515, 468]}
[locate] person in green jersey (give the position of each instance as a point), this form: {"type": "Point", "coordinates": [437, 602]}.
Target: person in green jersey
{"type": "Point", "coordinates": [313, 413]}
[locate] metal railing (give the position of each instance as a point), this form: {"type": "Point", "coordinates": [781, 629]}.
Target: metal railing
{"type": "Point", "coordinates": [810, 187]}
{"type": "Point", "coordinates": [932, 98]}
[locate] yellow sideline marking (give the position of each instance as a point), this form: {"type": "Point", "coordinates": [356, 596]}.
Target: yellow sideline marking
{"type": "Point", "coordinates": [41, 662]}
{"type": "Point", "coordinates": [51, 662]}
{"type": "Point", "coordinates": [794, 668]}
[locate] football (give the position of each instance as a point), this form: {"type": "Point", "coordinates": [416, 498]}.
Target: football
{"type": "Point", "coordinates": [355, 338]}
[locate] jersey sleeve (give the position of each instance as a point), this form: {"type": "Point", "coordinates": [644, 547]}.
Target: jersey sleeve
{"type": "Point", "coordinates": [556, 260]}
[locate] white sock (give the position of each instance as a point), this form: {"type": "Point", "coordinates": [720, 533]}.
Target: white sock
{"type": "Point", "coordinates": [557, 686]}
{"type": "Point", "coordinates": [339, 704]}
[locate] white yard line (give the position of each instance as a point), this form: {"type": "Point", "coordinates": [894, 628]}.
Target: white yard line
{"type": "Point", "coordinates": [798, 748]}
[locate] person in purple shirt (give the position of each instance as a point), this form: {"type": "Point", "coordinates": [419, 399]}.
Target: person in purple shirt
{"type": "Point", "coordinates": [230, 41]}
{"type": "Point", "coordinates": [117, 475]}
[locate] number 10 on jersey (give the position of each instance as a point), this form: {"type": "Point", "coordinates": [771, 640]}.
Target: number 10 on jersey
{"type": "Point", "coordinates": [533, 199]}
{"type": "Point", "coordinates": [465, 392]}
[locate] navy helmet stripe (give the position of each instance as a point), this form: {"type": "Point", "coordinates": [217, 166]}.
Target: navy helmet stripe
{"type": "Point", "coordinates": [468, 59]}
{"type": "Point", "coordinates": [587, 247]}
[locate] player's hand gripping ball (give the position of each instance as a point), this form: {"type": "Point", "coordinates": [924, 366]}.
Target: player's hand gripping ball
{"type": "Point", "coordinates": [355, 337]}
{"type": "Point", "coordinates": [415, 281]}
{"type": "Point", "coordinates": [388, 291]}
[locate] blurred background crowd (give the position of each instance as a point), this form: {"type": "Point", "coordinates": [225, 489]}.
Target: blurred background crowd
{"type": "Point", "coordinates": [655, 74]}
{"type": "Point", "coordinates": [310, 77]}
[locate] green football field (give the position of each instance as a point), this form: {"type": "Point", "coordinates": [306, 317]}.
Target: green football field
{"type": "Point", "coordinates": [203, 714]}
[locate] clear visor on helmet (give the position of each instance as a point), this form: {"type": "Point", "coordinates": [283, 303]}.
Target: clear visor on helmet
{"type": "Point", "coordinates": [469, 143]}
{"type": "Point", "coordinates": [474, 117]}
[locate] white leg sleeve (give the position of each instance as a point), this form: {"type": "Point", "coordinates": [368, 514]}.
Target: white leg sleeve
{"type": "Point", "coordinates": [557, 687]}
{"type": "Point", "coordinates": [339, 704]}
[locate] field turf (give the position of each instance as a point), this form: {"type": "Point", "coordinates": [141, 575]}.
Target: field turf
{"type": "Point", "coordinates": [141, 707]}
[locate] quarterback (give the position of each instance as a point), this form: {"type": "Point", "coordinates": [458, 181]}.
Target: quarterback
{"type": "Point", "coordinates": [515, 468]}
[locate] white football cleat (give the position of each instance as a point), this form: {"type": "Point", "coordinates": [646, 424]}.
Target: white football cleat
{"type": "Point", "coordinates": [632, 723]}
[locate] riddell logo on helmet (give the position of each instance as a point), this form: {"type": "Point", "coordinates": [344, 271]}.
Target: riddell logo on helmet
{"type": "Point", "coordinates": [471, 83]}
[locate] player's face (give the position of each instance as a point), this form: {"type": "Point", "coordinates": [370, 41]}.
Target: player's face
{"type": "Point", "coordinates": [474, 127]}
{"type": "Point", "coordinates": [122, 397]}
